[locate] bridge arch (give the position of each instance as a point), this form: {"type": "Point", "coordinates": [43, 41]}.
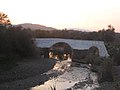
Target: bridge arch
{"type": "Point", "coordinates": [61, 51]}
{"type": "Point", "coordinates": [93, 50]}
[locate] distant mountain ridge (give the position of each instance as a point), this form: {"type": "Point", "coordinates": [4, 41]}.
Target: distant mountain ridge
{"type": "Point", "coordinates": [35, 26]}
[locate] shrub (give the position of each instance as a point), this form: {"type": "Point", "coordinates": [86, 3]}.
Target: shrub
{"type": "Point", "coordinates": [93, 59]}
{"type": "Point", "coordinates": [15, 43]}
{"type": "Point", "coordinates": [114, 51]}
{"type": "Point", "coordinates": [18, 41]}
{"type": "Point", "coordinates": [105, 71]}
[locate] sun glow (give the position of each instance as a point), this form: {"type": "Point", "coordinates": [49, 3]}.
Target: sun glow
{"type": "Point", "coordinates": [88, 14]}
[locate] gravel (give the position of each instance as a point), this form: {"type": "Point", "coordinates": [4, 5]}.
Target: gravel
{"type": "Point", "coordinates": [26, 74]}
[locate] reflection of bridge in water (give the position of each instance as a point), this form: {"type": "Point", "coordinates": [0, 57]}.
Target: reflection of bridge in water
{"type": "Point", "coordinates": [79, 48]}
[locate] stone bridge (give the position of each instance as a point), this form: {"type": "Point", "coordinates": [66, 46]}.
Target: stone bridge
{"type": "Point", "coordinates": [74, 44]}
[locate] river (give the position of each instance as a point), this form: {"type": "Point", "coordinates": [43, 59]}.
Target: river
{"type": "Point", "coordinates": [72, 77]}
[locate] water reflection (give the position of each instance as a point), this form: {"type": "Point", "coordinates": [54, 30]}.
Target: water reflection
{"type": "Point", "coordinates": [76, 78]}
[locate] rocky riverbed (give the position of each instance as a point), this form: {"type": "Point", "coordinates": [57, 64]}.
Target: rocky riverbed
{"type": "Point", "coordinates": [73, 77]}
{"type": "Point", "coordinates": [39, 74]}
{"type": "Point", "coordinates": [26, 74]}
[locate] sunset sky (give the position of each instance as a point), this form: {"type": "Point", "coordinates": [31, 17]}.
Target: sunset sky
{"type": "Point", "coordinates": [83, 14]}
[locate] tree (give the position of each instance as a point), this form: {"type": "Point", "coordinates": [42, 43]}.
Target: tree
{"type": "Point", "coordinates": [107, 35]}
{"type": "Point", "coordinates": [4, 20]}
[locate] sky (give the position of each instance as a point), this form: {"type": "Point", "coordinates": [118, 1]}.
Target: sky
{"type": "Point", "coordinates": [83, 14]}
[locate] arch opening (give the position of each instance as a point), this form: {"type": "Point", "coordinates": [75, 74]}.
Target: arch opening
{"type": "Point", "coordinates": [93, 50]}
{"type": "Point", "coordinates": [60, 51]}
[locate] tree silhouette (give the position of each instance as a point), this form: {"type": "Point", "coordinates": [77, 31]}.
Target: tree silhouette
{"type": "Point", "coordinates": [107, 35]}
{"type": "Point", "coordinates": [4, 20]}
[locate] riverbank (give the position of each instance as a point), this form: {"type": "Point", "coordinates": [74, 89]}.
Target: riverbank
{"type": "Point", "coordinates": [26, 73]}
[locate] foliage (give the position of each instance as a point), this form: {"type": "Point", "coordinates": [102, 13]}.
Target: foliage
{"type": "Point", "coordinates": [15, 43]}
{"type": "Point", "coordinates": [105, 71]}
{"type": "Point", "coordinates": [4, 19]}
{"type": "Point", "coordinates": [107, 35]}
{"type": "Point", "coordinates": [114, 51]}
{"type": "Point", "coordinates": [14, 40]}
{"type": "Point", "coordinates": [93, 59]}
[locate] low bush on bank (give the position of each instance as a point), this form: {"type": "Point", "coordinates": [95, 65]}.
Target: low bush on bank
{"type": "Point", "coordinates": [93, 59]}
{"type": "Point", "coordinates": [90, 59]}
{"type": "Point", "coordinates": [103, 66]}
{"type": "Point", "coordinates": [105, 70]}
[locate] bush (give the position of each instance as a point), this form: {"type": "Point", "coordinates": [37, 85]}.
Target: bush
{"type": "Point", "coordinates": [15, 40]}
{"type": "Point", "coordinates": [105, 71]}
{"type": "Point", "coordinates": [114, 51]}
{"type": "Point", "coordinates": [93, 59]}
{"type": "Point", "coordinates": [15, 43]}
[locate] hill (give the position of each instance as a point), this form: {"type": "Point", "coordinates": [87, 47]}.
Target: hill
{"type": "Point", "coordinates": [35, 26]}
